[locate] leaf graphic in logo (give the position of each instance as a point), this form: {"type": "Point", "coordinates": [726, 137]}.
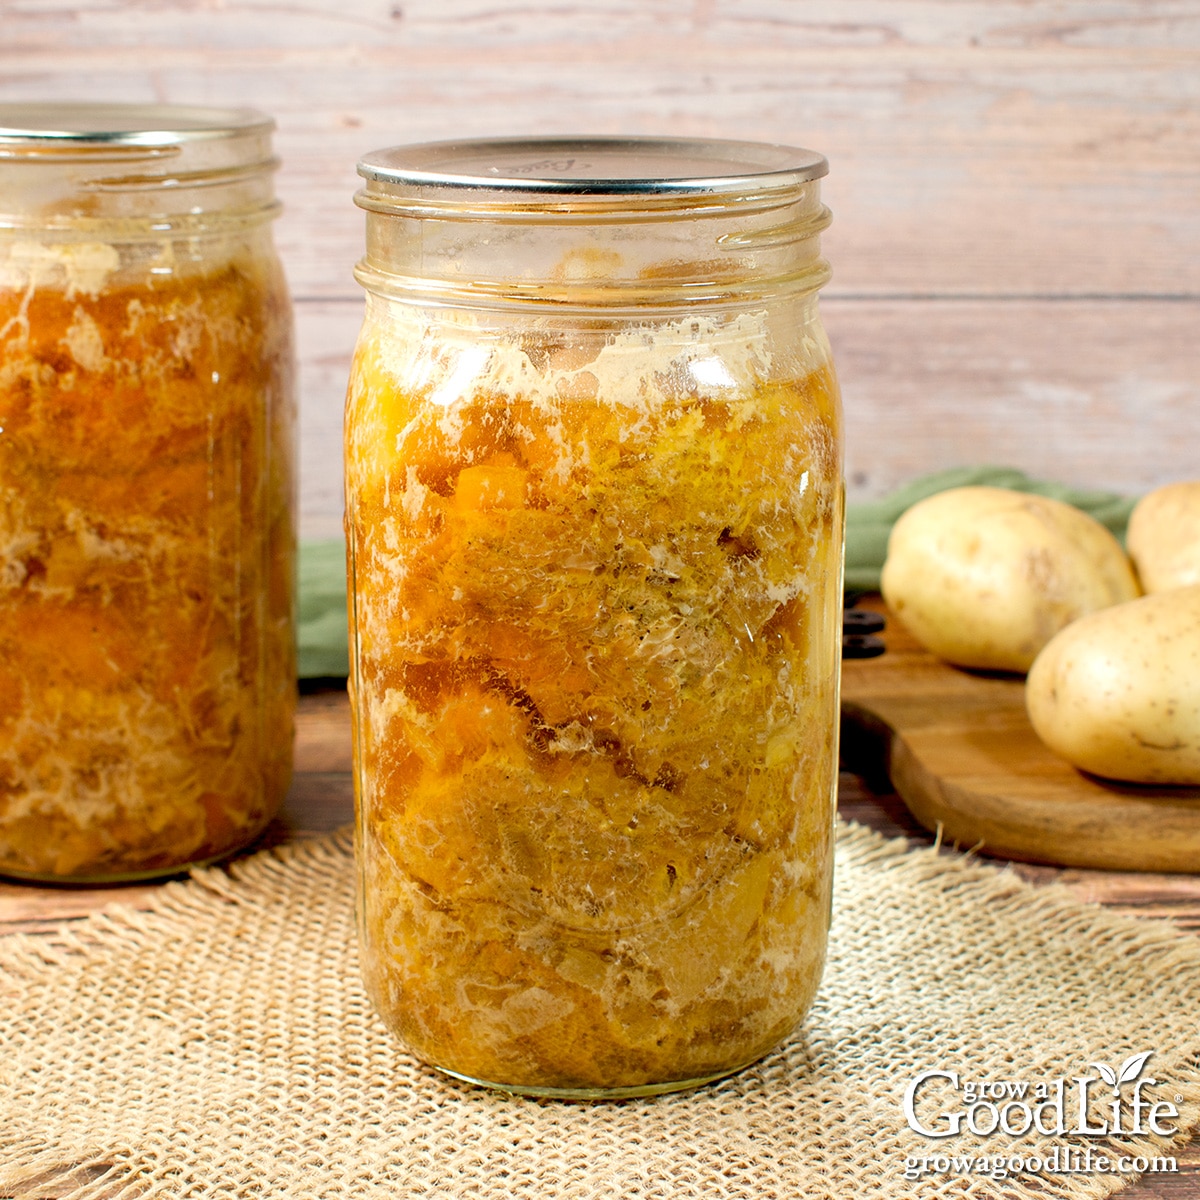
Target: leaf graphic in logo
{"type": "Point", "coordinates": [1131, 1068]}
{"type": "Point", "coordinates": [1106, 1073]}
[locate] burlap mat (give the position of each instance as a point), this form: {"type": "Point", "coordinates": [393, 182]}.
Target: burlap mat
{"type": "Point", "coordinates": [221, 1045]}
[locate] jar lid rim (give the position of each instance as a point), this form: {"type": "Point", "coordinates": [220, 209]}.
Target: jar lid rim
{"type": "Point", "coordinates": [82, 124]}
{"type": "Point", "coordinates": [609, 166]}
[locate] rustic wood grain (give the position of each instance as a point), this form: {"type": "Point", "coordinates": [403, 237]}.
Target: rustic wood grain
{"type": "Point", "coordinates": [1096, 393]}
{"type": "Point", "coordinates": [1016, 243]}
{"type": "Point", "coordinates": [1101, 394]}
{"type": "Point", "coordinates": [323, 734]}
{"type": "Point", "coordinates": [1064, 170]}
{"type": "Point", "coordinates": [1144, 894]}
{"type": "Point", "coordinates": [960, 750]}
{"type": "Point", "coordinates": [1010, 148]}
{"type": "Point", "coordinates": [325, 336]}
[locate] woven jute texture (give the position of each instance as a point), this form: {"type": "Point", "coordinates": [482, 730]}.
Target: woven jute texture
{"type": "Point", "coordinates": [221, 1045]}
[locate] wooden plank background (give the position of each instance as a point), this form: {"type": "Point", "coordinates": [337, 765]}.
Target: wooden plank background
{"type": "Point", "coordinates": [1015, 183]}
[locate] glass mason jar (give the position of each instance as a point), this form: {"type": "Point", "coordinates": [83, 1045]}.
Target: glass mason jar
{"type": "Point", "coordinates": [147, 675]}
{"type": "Point", "coordinates": [595, 525]}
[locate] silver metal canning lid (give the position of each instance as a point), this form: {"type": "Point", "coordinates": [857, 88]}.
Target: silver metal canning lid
{"type": "Point", "coordinates": [596, 166]}
{"type": "Point", "coordinates": [85, 126]}
{"type": "Point", "coordinates": [76, 166]}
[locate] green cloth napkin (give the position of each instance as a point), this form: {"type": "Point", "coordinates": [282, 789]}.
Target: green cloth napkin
{"type": "Point", "coordinates": [321, 624]}
{"type": "Point", "coordinates": [322, 628]}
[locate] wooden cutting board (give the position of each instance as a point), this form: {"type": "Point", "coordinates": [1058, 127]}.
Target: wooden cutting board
{"type": "Point", "coordinates": [959, 749]}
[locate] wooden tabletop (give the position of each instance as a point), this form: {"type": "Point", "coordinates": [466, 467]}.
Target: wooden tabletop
{"type": "Point", "coordinates": [322, 798]}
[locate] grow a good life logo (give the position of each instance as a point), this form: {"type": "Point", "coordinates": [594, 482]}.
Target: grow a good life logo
{"type": "Point", "coordinates": [1114, 1101]}
{"type": "Point", "coordinates": [1065, 1105]}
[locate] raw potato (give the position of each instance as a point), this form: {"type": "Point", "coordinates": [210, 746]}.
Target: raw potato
{"type": "Point", "coordinates": [985, 577]}
{"type": "Point", "coordinates": [1164, 537]}
{"type": "Point", "coordinates": [1118, 693]}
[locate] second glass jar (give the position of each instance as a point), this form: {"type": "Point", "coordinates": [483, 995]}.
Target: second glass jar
{"type": "Point", "coordinates": [147, 662]}
{"type": "Point", "coordinates": [594, 516]}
